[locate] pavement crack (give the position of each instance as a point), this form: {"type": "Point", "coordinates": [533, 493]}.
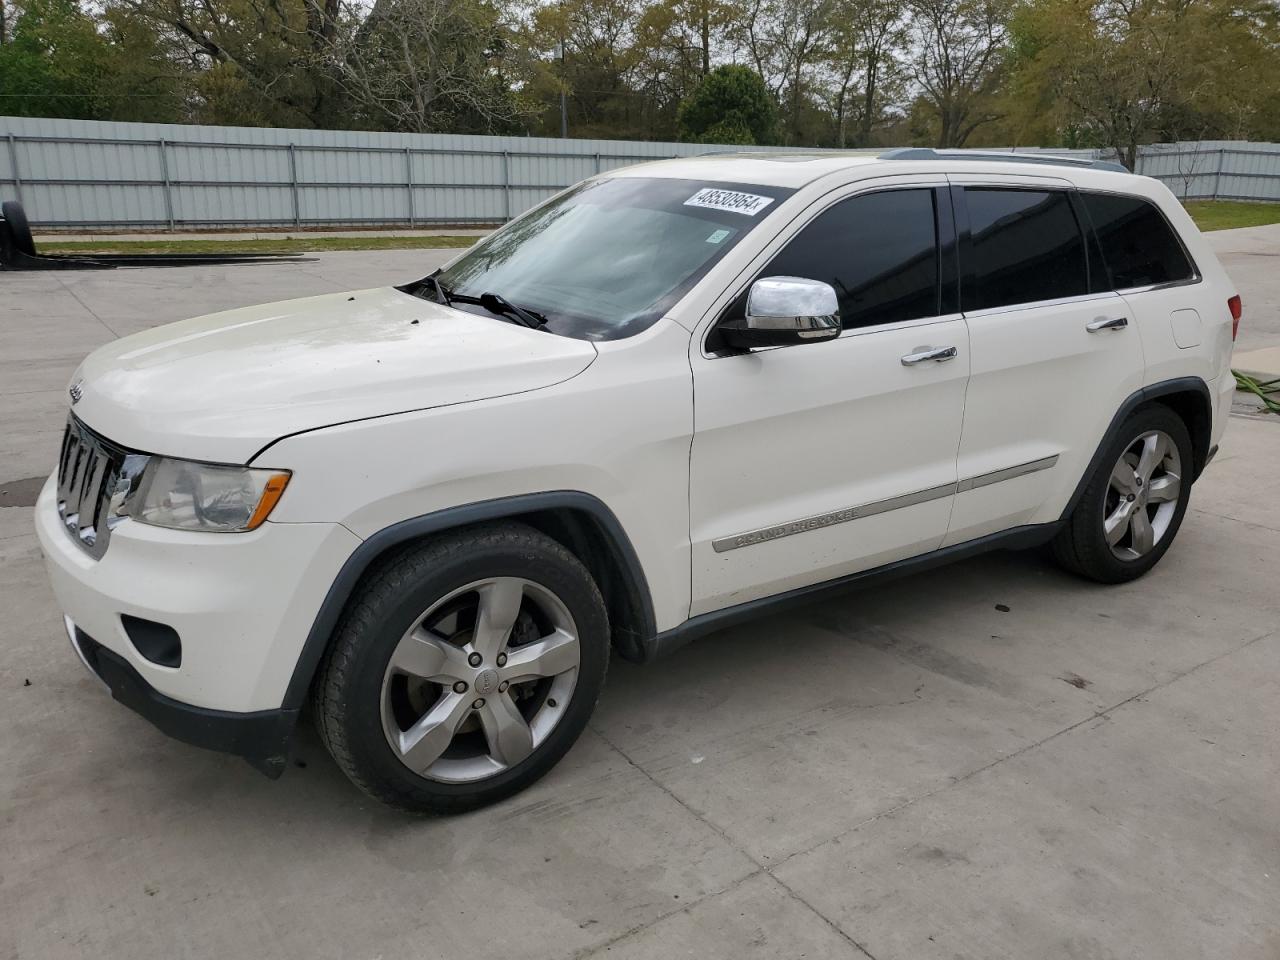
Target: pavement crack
{"type": "Point", "coordinates": [769, 869]}
{"type": "Point", "coordinates": [761, 868]}
{"type": "Point", "coordinates": [835, 927]}
{"type": "Point", "coordinates": [955, 781]}
{"type": "Point", "coordinates": [78, 299]}
{"type": "Point", "coordinates": [667, 790]}
{"type": "Point", "coordinates": [594, 950]}
{"type": "Point", "coordinates": [1227, 516]}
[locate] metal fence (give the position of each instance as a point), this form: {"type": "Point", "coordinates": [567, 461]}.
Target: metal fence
{"type": "Point", "coordinates": [77, 173]}
{"type": "Point", "coordinates": [1215, 170]}
{"type": "Point", "coordinates": [90, 174]}
{"type": "Point", "coordinates": [1200, 170]}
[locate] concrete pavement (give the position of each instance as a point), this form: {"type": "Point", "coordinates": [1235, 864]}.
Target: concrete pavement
{"type": "Point", "coordinates": [914, 772]}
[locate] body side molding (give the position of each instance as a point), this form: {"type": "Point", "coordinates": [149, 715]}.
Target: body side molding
{"type": "Point", "coordinates": [845, 514]}
{"type": "Point", "coordinates": [452, 518]}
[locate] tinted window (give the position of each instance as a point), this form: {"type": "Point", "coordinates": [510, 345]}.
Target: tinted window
{"type": "Point", "coordinates": [1138, 245]}
{"type": "Point", "coordinates": [879, 251]}
{"type": "Point", "coordinates": [1025, 246]}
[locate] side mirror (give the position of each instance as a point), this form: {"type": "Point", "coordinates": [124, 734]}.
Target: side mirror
{"type": "Point", "coordinates": [782, 311]}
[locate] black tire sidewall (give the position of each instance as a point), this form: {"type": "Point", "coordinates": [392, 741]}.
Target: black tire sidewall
{"type": "Point", "coordinates": [536, 559]}
{"type": "Point", "coordinates": [19, 229]}
{"type": "Point", "coordinates": [1097, 558]}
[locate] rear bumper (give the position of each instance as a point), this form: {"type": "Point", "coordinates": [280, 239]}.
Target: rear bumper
{"type": "Point", "coordinates": [262, 737]}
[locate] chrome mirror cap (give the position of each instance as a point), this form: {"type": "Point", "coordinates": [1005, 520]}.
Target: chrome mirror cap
{"type": "Point", "coordinates": [783, 311]}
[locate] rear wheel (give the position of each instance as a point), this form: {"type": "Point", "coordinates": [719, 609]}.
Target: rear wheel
{"type": "Point", "coordinates": [463, 669]}
{"type": "Point", "coordinates": [1134, 503]}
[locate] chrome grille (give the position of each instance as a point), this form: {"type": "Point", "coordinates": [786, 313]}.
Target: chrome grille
{"type": "Point", "coordinates": [89, 471]}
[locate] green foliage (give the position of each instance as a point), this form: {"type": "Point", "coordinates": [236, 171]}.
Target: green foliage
{"type": "Point", "coordinates": [1230, 214]}
{"type": "Point", "coordinates": [733, 101]}
{"type": "Point", "coordinates": [61, 61]}
{"type": "Point", "coordinates": [728, 131]}
{"type": "Point", "coordinates": [1119, 73]}
{"type": "Point", "coordinates": [1079, 73]}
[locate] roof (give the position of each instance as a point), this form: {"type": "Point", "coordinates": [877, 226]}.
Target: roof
{"type": "Point", "coordinates": [798, 168]}
{"type": "Point", "coordinates": [767, 169]}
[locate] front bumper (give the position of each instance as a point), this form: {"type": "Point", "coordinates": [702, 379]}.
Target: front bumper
{"type": "Point", "coordinates": [262, 737]}
{"type": "Point", "coordinates": [242, 605]}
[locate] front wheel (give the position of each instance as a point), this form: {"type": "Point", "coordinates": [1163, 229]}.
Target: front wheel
{"type": "Point", "coordinates": [464, 669]}
{"type": "Point", "coordinates": [1134, 502]}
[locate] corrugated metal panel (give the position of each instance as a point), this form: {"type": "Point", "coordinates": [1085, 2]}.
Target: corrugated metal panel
{"type": "Point", "coordinates": [90, 173]}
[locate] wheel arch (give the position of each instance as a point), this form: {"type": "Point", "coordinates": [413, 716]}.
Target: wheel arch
{"type": "Point", "coordinates": [1188, 397]}
{"type": "Point", "coordinates": [579, 521]}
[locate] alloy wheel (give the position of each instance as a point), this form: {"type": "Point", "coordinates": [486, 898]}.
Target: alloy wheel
{"type": "Point", "coordinates": [480, 680]}
{"type": "Point", "coordinates": [1142, 495]}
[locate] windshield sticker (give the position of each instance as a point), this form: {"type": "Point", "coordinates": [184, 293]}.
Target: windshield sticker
{"type": "Point", "coordinates": [748, 204]}
{"type": "Point", "coordinates": [717, 236]}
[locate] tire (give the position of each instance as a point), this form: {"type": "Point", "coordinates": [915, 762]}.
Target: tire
{"type": "Point", "coordinates": [15, 219]}
{"type": "Point", "coordinates": [428, 611]}
{"type": "Point", "coordinates": [1105, 538]}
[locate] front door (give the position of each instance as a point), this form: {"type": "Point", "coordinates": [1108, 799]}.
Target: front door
{"type": "Point", "coordinates": [816, 461]}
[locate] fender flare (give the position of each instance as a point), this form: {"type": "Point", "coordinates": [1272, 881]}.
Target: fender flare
{"type": "Point", "coordinates": [451, 518]}
{"type": "Point", "coordinates": [1140, 396]}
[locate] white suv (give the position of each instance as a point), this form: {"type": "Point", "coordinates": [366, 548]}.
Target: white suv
{"type": "Point", "coordinates": [670, 397]}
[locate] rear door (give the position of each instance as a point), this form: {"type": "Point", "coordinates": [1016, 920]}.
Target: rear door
{"type": "Point", "coordinates": [1054, 351]}
{"type": "Point", "coordinates": [1150, 268]}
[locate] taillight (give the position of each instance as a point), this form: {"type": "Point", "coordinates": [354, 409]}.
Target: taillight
{"type": "Point", "coordinates": [1236, 308]}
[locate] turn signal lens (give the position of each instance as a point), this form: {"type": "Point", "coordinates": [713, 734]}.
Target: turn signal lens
{"type": "Point", "coordinates": [271, 493]}
{"type": "Point", "coordinates": [1237, 310]}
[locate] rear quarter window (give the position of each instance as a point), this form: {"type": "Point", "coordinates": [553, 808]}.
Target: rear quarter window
{"type": "Point", "coordinates": [1138, 245]}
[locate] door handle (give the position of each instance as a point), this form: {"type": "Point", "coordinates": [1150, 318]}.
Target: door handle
{"type": "Point", "coordinates": [1103, 323]}
{"type": "Point", "coordinates": [937, 354]}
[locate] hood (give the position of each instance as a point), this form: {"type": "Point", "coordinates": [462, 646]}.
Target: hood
{"type": "Point", "coordinates": [223, 386]}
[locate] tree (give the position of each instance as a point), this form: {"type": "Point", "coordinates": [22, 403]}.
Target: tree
{"type": "Point", "coordinates": [62, 61]}
{"type": "Point", "coordinates": [786, 41]}
{"type": "Point", "coordinates": [731, 101]}
{"type": "Point", "coordinates": [1120, 73]}
{"type": "Point", "coordinates": [957, 65]}
{"type": "Point", "coordinates": [868, 38]}
{"type": "Point", "coordinates": [802, 28]}
{"type": "Point", "coordinates": [426, 66]}
{"type": "Point", "coordinates": [253, 61]}
{"type": "Point", "coordinates": [680, 32]}
{"type": "Point", "coordinates": [601, 68]}
{"type": "Point", "coordinates": [1081, 73]}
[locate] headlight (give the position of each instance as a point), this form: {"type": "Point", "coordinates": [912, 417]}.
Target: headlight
{"type": "Point", "coordinates": [186, 495]}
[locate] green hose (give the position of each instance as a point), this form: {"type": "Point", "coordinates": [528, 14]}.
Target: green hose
{"type": "Point", "coordinates": [1267, 391]}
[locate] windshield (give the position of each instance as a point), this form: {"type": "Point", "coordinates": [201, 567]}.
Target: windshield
{"type": "Point", "coordinates": [608, 258]}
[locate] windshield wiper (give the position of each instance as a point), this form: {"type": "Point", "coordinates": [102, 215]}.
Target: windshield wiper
{"type": "Point", "coordinates": [439, 292]}
{"type": "Point", "coordinates": [497, 305]}
{"type": "Point", "coordinates": [502, 306]}
{"type": "Point", "coordinates": [494, 303]}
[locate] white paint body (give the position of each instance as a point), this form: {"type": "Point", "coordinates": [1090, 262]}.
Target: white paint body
{"type": "Point", "coordinates": [381, 419]}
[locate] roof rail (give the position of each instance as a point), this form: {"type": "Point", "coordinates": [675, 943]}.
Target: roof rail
{"type": "Point", "coordinates": [928, 153]}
